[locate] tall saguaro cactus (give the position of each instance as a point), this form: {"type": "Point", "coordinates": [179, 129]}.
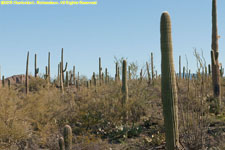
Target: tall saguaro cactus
{"type": "Point", "coordinates": [63, 70]}
{"type": "Point", "coordinates": [100, 70]}
{"type": "Point", "coordinates": [27, 79]}
{"type": "Point", "coordinates": [215, 56]}
{"type": "Point", "coordinates": [67, 133]}
{"type": "Point", "coordinates": [168, 85]}
{"type": "Point", "coordinates": [124, 83]}
{"type": "Point", "coordinates": [148, 73]}
{"type": "Point", "coordinates": [36, 70]}
{"type": "Point", "coordinates": [49, 67]}
{"type": "Point", "coordinates": [61, 77]}
{"type": "Point", "coordinates": [116, 75]}
{"type": "Point", "coordinates": [179, 67]}
{"type": "Point", "coordinates": [74, 76]}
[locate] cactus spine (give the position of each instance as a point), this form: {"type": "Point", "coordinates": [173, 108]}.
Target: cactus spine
{"type": "Point", "coordinates": [27, 80]}
{"type": "Point", "coordinates": [124, 83]}
{"type": "Point", "coordinates": [215, 56]}
{"type": "Point", "coordinates": [168, 85]}
{"type": "Point", "coordinates": [67, 133]}
{"type": "Point", "coordinates": [36, 70]}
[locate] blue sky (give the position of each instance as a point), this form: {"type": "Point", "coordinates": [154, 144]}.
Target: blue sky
{"type": "Point", "coordinates": [121, 28]}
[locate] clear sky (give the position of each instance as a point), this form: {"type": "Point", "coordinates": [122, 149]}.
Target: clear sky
{"type": "Point", "coordinates": [121, 28]}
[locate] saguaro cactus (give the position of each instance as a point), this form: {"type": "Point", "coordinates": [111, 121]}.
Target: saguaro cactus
{"type": "Point", "coordinates": [215, 56]}
{"type": "Point", "coordinates": [148, 73]}
{"type": "Point", "coordinates": [94, 79]}
{"type": "Point", "coordinates": [63, 70]}
{"type": "Point", "coordinates": [209, 69]}
{"type": "Point", "coordinates": [36, 70]}
{"type": "Point", "coordinates": [3, 81]}
{"type": "Point", "coordinates": [67, 133]}
{"type": "Point", "coordinates": [61, 77]}
{"type": "Point", "coordinates": [179, 67]}
{"type": "Point", "coordinates": [67, 79]}
{"type": "Point", "coordinates": [9, 84]}
{"type": "Point", "coordinates": [27, 79]}
{"type": "Point", "coordinates": [116, 75]}
{"type": "Point", "coordinates": [124, 83]}
{"type": "Point", "coordinates": [106, 76]}
{"type": "Point", "coordinates": [100, 71]}
{"type": "Point", "coordinates": [74, 76]}
{"type": "Point", "coordinates": [168, 85]}
{"type": "Point", "coordinates": [183, 72]}
{"type": "Point", "coordinates": [141, 77]}
{"type": "Point", "coordinates": [61, 144]}
{"type": "Point", "coordinates": [129, 72]}
{"type": "Point", "coordinates": [152, 66]}
{"type": "Point", "coordinates": [49, 67]}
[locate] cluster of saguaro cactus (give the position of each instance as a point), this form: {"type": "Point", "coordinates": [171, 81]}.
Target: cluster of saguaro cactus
{"type": "Point", "coordinates": [65, 142]}
{"type": "Point", "coordinates": [168, 85]}
{"type": "Point", "coordinates": [215, 56]}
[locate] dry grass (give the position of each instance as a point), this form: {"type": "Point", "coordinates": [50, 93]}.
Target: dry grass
{"type": "Point", "coordinates": [95, 115]}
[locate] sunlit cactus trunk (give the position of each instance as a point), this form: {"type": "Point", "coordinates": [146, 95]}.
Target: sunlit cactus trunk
{"type": "Point", "coordinates": [168, 85]}
{"type": "Point", "coordinates": [27, 78]}
{"type": "Point", "coordinates": [215, 56]}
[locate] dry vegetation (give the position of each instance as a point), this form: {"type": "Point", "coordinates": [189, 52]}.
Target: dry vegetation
{"type": "Point", "coordinates": [35, 121]}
